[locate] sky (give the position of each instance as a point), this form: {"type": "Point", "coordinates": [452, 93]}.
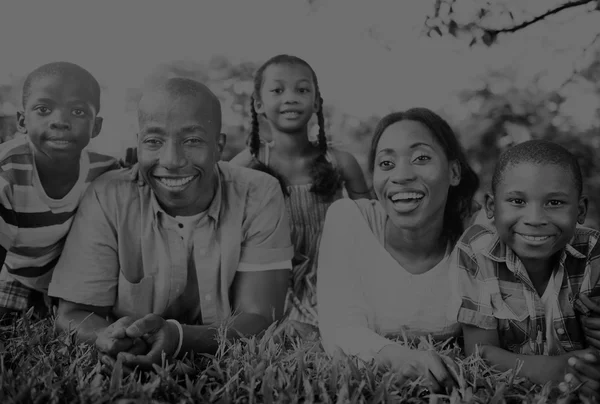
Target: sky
{"type": "Point", "coordinates": [122, 41]}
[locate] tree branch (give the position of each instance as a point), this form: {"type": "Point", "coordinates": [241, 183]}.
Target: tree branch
{"type": "Point", "coordinates": [539, 17]}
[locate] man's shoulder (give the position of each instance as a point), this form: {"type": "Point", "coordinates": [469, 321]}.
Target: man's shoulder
{"type": "Point", "coordinates": [243, 178]}
{"type": "Point", "coordinates": [100, 164]}
{"type": "Point", "coordinates": [117, 181]}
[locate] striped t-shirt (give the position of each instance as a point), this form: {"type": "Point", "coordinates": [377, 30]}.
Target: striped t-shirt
{"type": "Point", "coordinates": [33, 226]}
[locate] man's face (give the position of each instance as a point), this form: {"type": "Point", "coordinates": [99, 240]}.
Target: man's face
{"type": "Point", "coordinates": [179, 144]}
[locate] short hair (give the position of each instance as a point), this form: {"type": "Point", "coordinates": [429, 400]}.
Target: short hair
{"type": "Point", "coordinates": [541, 152]}
{"type": "Point", "coordinates": [183, 87]}
{"type": "Point", "coordinates": [63, 69]}
{"type": "Point", "coordinates": [460, 204]}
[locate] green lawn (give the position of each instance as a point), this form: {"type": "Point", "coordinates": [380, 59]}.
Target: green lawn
{"type": "Point", "coordinates": [38, 365]}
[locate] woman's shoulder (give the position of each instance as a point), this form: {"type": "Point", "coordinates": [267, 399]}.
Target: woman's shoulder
{"type": "Point", "coordinates": [346, 209]}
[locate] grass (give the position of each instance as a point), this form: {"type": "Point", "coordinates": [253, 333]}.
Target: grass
{"type": "Point", "coordinates": [40, 365]}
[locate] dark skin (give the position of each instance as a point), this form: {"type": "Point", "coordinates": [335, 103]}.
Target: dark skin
{"type": "Point", "coordinates": [179, 137]}
{"type": "Point", "coordinates": [60, 118]}
{"type": "Point", "coordinates": [536, 220]}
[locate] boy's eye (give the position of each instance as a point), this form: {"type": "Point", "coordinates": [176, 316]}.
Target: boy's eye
{"type": "Point", "coordinates": [555, 202]}
{"type": "Point", "coordinates": [277, 90]}
{"type": "Point", "coordinates": [386, 164]}
{"type": "Point", "coordinates": [516, 201]}
{"type": "Point", "coordinates": [78, 112]}
{"type": "Point", "coordinates": [43, 110]}
{"type": "Point", "coordinates": [194, 141]}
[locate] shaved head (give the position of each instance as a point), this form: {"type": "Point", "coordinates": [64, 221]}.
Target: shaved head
{"type": "Point", "coordinates": [176, 90]}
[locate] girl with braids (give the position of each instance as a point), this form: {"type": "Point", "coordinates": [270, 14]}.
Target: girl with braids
{"type": "Point", "coordinates": [312, 175]}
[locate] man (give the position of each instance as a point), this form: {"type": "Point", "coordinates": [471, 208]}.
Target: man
{"type": "Point", "coordinates": [178, 236]}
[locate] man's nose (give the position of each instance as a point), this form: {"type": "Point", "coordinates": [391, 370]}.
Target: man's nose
{"type": "Point", "coordinates": [172, 156]}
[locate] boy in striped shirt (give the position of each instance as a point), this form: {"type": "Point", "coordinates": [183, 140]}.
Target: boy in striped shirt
{"type": "Point", "coordinates": [43, 176]}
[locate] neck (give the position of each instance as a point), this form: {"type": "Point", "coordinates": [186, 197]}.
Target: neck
{"type": "Point", "coordinates": [539, 271]}
{"type": "Point", "coordinates": [61, 168]}
{"type": "Point", "coordinates": [202, 203]}
{"type": "Point", "coordinates": [291, 144]}
{"type": "Point", "coordinates": [424, 241]}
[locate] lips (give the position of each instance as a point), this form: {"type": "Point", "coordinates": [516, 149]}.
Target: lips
{"type": "Point", "coordinates": [535, 238]}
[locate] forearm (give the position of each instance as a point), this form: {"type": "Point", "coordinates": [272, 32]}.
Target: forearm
{"type": "Point", "coordinates": [86, 323]}
{"type": "Point", "coordinates": [537, 368]}
{"type": "Point", "coordinates": [204, 338]}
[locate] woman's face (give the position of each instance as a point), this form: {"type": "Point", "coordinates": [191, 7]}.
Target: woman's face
{"type": "Point", "coordinates": [412, 174]}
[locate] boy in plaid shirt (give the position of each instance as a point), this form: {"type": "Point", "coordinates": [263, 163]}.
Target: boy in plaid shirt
{"type": "Point", "coordinates": [520, 279]}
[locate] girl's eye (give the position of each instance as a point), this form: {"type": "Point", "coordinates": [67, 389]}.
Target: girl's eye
{"type": "Point", "coordinates": [277, 90]}
{"type": "Point", "coordinates": [304, 90]}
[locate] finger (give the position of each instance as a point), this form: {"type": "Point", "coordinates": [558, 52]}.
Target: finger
{"type": "Point", "coordinates": [139, 347]}
{"type": "Point", "coordinates": [589, 303]}
{"type": "Point", "coordinates": [113, 346]}
{"type": "Point", "coordinates": [584, 368]}
{"type": "Point", "coordinates": [591, 323]}
{"type": "Point", "coordinates": [593, 342]}
{"type": "Point", "coordinates": [144, 362]}
{"type": "Point", "coordinates": [146, 325]}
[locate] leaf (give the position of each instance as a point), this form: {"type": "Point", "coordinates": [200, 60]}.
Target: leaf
{"type": "Point", "coordinates": [116, 377]}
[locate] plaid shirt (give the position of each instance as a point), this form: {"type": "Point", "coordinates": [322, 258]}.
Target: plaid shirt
{"type": "Point", "coordinates": [496, 292]}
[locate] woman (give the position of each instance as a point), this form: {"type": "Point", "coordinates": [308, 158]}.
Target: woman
{"type": "Point", "coordinates": [383, 264]}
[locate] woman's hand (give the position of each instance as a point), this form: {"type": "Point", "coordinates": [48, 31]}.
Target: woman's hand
{"type": "Point", "coordinates": [410, 364]}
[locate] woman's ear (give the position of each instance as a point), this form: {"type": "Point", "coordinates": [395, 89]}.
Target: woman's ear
{"type": "Point", "coordinates": [455, 173]}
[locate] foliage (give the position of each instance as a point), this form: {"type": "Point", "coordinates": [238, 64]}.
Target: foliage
{"type": "Point", "coordinates": [39, 365]}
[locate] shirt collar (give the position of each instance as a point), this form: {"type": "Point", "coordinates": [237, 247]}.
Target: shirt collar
{"type": "Point", "coordinates": [213, 211]}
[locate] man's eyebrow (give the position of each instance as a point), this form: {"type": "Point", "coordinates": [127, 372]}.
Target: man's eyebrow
{"type": "Point", "coordinates": [154, 129]}
{"type": "Point", "coordinates": [192, 129]}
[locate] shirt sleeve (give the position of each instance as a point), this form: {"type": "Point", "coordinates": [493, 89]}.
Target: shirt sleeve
{"type": "Point", "coordinates": [266, 229]}
{"type": "Point", "coordinates": [474, 297]}
{"type": "Point", "coordinates": [8, 218]}
{"type": "Point", "coordinates": [88, 269]}
{"type": "Point", "coordinates": [342, 306]}
{"type": "Point", "coordinates": [590, 285]}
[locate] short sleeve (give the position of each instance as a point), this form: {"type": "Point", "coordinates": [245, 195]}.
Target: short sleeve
{"type": "Point", "coordinates": [266, 229]}
{"type": "Point", "coordinates": [8, 217]}
{"type": "Point", "coordinates": [470, 289]}
{"type": "Point", "coordinates": [590, 284]}
{"type": "Point", "coordinates": [88, 269]}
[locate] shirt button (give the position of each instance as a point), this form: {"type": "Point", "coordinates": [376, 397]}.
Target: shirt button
{"type": "Point", "coordinates": [208, 298]}
{"type": "Point", "coordinates": [560, 331]}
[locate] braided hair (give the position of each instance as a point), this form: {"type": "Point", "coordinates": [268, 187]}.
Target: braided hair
{"type": "Point", "coordinates": [326, 180]}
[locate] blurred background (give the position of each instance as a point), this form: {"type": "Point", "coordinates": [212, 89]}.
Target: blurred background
{"type": "Point", "coordinates": [500, 72]}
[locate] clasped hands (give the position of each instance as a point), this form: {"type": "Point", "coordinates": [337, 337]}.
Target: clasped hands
{"type": "Point", "coordinates": [584, 366]}
{"type": "Point", "coordinates": [138, 342]}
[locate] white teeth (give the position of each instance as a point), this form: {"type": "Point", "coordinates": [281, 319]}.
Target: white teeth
{"type": "Point", "coordinates": [407, 195]}
{"type": "Point", "coordinates": [534, 238]}
{"type": "Point", "coordinates": [176, 183]}
{"type": "Point", "coordinates": [291, 113]}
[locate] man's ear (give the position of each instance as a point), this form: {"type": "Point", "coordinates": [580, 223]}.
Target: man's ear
{"type": "Point", "coordinates": [221, 141]}
{"type": "Point", "coordinates": [582, 209]}
{"type": "Point", "coordinates": [455, 173]}
{"type": "Point", "coordinates": [490, 205]}
{"type": "Point", "coordinates": [21, 122]}
{"type": "Point", "coordinates": [97, 126]}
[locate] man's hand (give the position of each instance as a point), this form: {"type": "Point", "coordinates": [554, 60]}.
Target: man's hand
{"type": "Point", "coordinates": [584, 370]}
{"type": "Point", "coordinates": [113, 339]}
{"type": "Point", "coordinates": [591, 323]}
{"type": "Point", "coordinates": [160, 335]}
